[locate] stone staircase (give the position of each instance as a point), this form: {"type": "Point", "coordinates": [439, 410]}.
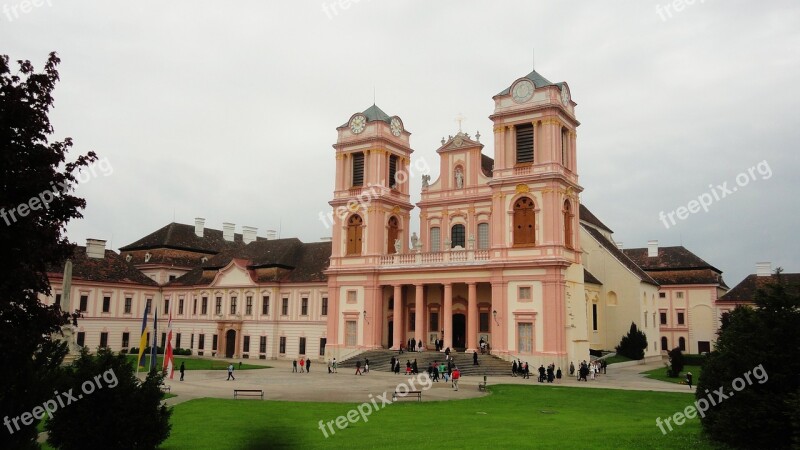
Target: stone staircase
{"type": "Point", "coordinates": [379, 360]}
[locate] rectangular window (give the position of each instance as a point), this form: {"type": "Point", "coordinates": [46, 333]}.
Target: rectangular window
{"type": "Point", "coordinates": [433, 324]}
{"type": "Point", "coordinates": [282, 349]}
{"type": "Point", "coordinates": [524, 293]}
{"type": "Point", "coordinates": [201, 342]}
{"type": "Point", "coordinates": [703, 347]}
{"type": "Point", "coordinates": [458, 236]}
{"type": "Point", "coordinates": [84, 305]}
{"type": "Point", "coordinates": [324, 306]}
{"type": "Point", "coordinates": [436, 244]}
{"type": "Point", "coordinates": [214, 340]}
{"type": "Point", "coordinates": [265, 305]}
{"type": "Point", "coordinates": [148, 306]}
{"type": "Point", "coordinates": [233, 305]}
{"type": "Point", "coordinates": [194, 307]}
{"type": "Point", "coordinates": [106, 304]}
{"type": "Point", "coordinates": [246, 344]}
{"type": "Point", "coordinates": [392, 171]}
{"type": "Point", "coordinates": [302, 349]}
{"type": "Point", "coordinates": [285, 307]}
{"type": "Point", "coordinates": [218, 306]}
{"type": "Point", "coordinates": [249, 306]}
{"type": "Point", "coordinates": [525, 336]}
{"type": "Point", "coordinates": [352, 296]}
{"type": "Point", "coordinates": [662, 295]}
{"type": "Point", "coordinates": [358, 169]}
{"type": "Point", "coordinates": [58, 300]}
{"type": "Point", "coordinates": [177, 340]}
{"type": "Point", "coordinates": [262, 344]}
{"type": "Point", "coordinates": [484, 322]}
{"type": "Point", "coordinates": [524, 134]}
{"type": "Point", "coordinates": [483, 236]}
{"type": "Point", "coordinates": [680, 318]}
{"type": "Point", "coordinates": [126, 340]}
{"type": "Point", "coordinates": [351, 333]}
{"type": "Point", "coordinates": [663, 318]}
{"type": "Point", "coordinates": [594, 316]}
{"type": "Point", "coordinates": [679, 294]}
{"type": "Point", "coordinates": [128, 305]}
{"type": "Point", "coordinates": [163, 341]}
{"type": "Point", "coordinates": [304, 306]}
{"type": "Point", "coordinates": [322, 343]}
{"type": "Point", "coordinates": [180, 307]}
{"type": "Point", "coordinates": [166, 306]}
{"type": "Point", "coordinates": [80, 339]}
{"type": "Point", "coordinates": [204, 307]}
{"type": "Point", "coordinates": [191, 340]}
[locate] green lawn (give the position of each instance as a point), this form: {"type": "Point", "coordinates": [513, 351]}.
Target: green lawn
{"type": "Point", "coordinates": [511, 417]}
{"type": "Point", "coordinates": [198, 363]}
{"type": "Point", "coordinates": [661, 374]}
{"type": "Point", "coordinates": [617, 359]}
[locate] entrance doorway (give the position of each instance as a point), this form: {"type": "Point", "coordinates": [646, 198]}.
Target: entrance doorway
{"type": "Point", "coordinates": [230, 343]}
{"type": "Point", "coordinates": [391, 334]}
{"type": "Point", "coordinates": [459, 332]}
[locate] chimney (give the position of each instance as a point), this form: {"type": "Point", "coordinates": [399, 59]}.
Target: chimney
{"type": "Point", "coordinates": [95, 248]}
{"type": "Point", "coordinates": [199, 226]}
{"type": "Point", "coordinates": [249, 234]}
{"type": "Point", "coordinates": [227, 230]}
{"type": "Point", "coordinates": [763, 269]}
{"type": "Point", "coordinates": [652, 249]}
{"type": "Point", "coordinates": [271, 234]}
{"type": "Point", "coordinates": [619, 245]}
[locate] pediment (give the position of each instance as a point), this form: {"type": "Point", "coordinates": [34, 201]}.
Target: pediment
{"type": "Point", "coordinates": [460, 141]}
{"type": "Point", "coordinates": [234, 274]}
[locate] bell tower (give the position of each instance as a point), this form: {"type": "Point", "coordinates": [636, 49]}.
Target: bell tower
{"type": "Point", "coordinates": [371, 208]}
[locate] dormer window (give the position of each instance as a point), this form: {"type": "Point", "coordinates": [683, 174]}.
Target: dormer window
{"type": "Point", "coordinates": [147, 257]}
{"type": "Point", "coordinates": [524, 136]}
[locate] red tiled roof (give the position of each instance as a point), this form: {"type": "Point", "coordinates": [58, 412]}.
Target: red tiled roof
{"type": "Point", "coordinates": [745, 291]}
{"type": "Point", "coordinates": [585, 215]}
{"type": "Point", "coordinates": [112, 268]}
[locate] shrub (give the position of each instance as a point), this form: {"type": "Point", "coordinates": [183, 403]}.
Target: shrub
{"type": "Point", "coordinates": [676, 362]}
{"type": "Point", "coordinates": [633, 344]}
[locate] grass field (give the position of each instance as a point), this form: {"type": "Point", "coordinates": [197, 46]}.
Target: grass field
{"type": "Point", "coordinates": [511, 417]}
{"type": "Point", "coordinates": [617, 359]}
{"type": "Point", "coordinates": [199, 363]}
{"type": "Point", "coordinates": [661, 374]}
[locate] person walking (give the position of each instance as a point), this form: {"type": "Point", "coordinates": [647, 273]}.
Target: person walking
{"type": "Point", "coordinates": [294, 365]}
{"type": "Point", "coordinates": [513, 368]}
{"type": "Point", "coordinates": [230, 372]}
{"type": "Point", "coordinates": [358, 368]}
{"type": "Point", "coordinates": [330, 370]}
{"type": "Point", "coordinates": [366, 365]}
{"type": "Point", "coordinates": [474, 358]}
{"type": "Point", "coordinates": [689, 379]}
{"type": "Point", "coordinates": [571, 369]}
{"type": "Point", "coordinates": [334, 365]}
{"type": "Point", "coordinates": [558, 375]}
{"type": "Point", "coordinates": [456, 376]}
{"type": "Point", "coordinates": [419, 345]}
{"type": "Point", "coordinates": [302, 365]}
{"type": "Point", "coordinates": [182, 369]}
{"type": "Point", "coordinates": [397, 367]}
{"type": "Point", "coordinates": [308, 365]}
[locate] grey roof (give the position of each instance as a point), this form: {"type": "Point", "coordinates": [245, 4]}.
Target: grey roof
{"type": "Point", "coordinates": [374, 113]}
{"type": "Point", "coordinates": [538, 81]}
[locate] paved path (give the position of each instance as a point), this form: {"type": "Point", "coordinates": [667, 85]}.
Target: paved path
{"type": "Point", "coordinates": [279, 383]}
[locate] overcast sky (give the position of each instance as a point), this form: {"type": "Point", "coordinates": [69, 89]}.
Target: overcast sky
{"type": "Point", "coordinates": [228, 110]}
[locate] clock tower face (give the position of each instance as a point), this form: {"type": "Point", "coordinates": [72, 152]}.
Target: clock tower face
{"type": "Point", "coordinates": [522, 91]}
{"type": "Point", "coordinates": [358, 123]}
{"type": "Point", "coordinates": [396, 126]}
{"type": "Point", "coordinates": [564, 95]}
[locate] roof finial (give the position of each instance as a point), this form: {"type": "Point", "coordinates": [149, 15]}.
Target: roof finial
{"type": "Point", "coordinates": [459, 118]}
{"type": "Point", "coordinates": [373, 95]}
{"type": "Point", "coordinates": [533, 59]}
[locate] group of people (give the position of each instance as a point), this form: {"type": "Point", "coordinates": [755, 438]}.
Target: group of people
{"type": "Point", "coordinates": [411, 367]}
{"type": "Point", "coordinates": [412, 345]}
{"type": "Point", "coordinates": [305, 365]}
{"type": "Point", "coordinates": [549, 374]}
{"type": "Point", "coordinates": [359, 370]}
{"type": "Point", "coordinates": [590, 370]}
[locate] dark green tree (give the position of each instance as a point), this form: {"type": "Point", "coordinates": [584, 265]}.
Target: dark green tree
{"type": "Point", "coordinates": [761, 341]}
{"type": "Point", "coordinates": [633, 344]}
{"type": "Point", "coordinates": [121, 412]}
{"type": "Point", "coordinates": [675, 362]}
{"type": "Point", "coordinates": [35, 206]}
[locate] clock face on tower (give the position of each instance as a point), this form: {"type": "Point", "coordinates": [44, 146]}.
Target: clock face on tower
{"type": "Point", "coordinates": [522, 91]}
{"type": "Point", "coordinates": [358, 123]}
{"type": "Point", "coordinates": [396, 126]}
{"type": "Point", "coordinates": [564, 95]}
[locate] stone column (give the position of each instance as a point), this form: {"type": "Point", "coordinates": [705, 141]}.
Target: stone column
{"type": "Point", "coordinates": [448, 316]}
{"type": "Point", "coordinates": [398, 314]}
{"type": "Point", "coordinates": [472, 318]}
{"type": "Point", "coordinates": [419, 314]}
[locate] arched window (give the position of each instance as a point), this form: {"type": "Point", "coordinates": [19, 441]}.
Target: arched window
{"type": "Point", "coordinates": [682, 344]}
{"type": "Point", "coordinates": [567, 224]}
{"type": "Point", "coordinates": [524, 222]}
{"type": "Point", "coordinates": [392, 233]}
{"type": "Point", "coordinates": [354, 235]}
{"type": "Point", "coordinates": [458, 236]}
{"type": "Point", "coordinates": [436, 245]}
{"type": "Point", "coordinates": [664, 343]}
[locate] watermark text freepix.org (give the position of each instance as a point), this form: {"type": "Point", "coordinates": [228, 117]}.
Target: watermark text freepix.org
{"type": "Point", "coordinates": [713, 399]}
{"type": "Point", "coordinates": [62, 400]}
{"type": "Point", "coordinates": [42, 201]}
{"type": "Point", "coordinates": [717, 193]}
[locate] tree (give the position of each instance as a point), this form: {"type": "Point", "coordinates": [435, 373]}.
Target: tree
{"type": "Point", "coordinates": [760, 344]}
{"type": "Point", "coordinates": [633, 344]}
{"type": "Point", "coordinates": [35, 206]}
{"type": "Point", "coordinates": [675, 362]}
{"type": "Point", "coordinates": [120, 411]}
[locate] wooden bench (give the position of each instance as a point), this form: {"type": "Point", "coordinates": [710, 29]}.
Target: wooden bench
{"type": "Point", "coordinates": [248, 393]}
{"type": "Point", "coordinates": [408, 394]}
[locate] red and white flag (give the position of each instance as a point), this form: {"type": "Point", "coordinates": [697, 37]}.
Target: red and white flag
{"type": "Point", "coordinates": [169, 361]}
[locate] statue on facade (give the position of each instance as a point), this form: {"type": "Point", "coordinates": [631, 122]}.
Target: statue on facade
{"type": "Point", "coordinates": [414, 240]}
{"type": "Point", "coordinates": [75, 316]}
{"type": "Point", "coordinates": [459, 178]}
{"type": "Point", "coordinates": [397, 245]}
{"type": "Point", "coordinates": [425, 180]}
